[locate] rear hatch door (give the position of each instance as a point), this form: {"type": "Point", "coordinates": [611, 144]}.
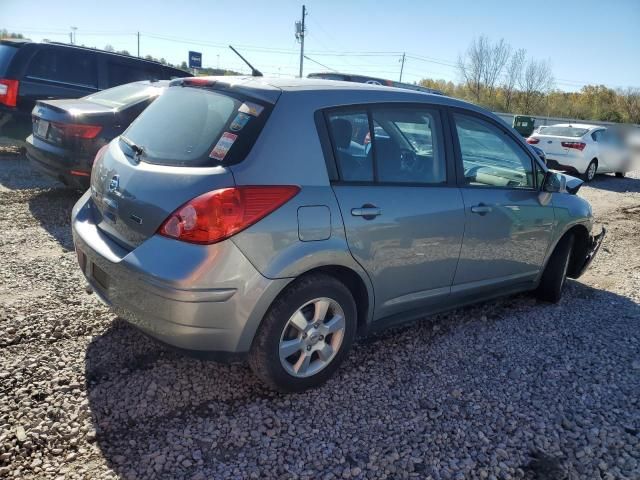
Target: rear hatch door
{"type": "Point", "coordinates": [177, 149]}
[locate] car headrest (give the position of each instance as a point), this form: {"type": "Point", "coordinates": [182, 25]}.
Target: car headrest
{"type": "Point", "coordinates": [342, 131]}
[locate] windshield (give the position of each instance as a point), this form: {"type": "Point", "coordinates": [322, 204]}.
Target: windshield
{"type": "Point", "coordinates": [125, 94]}
{"type": "Point", "coordinates": [190, 126]}
{"type": "Point", "coordinates": [6, 54]}
{"type": "Point", "coordinates": [564, 131]}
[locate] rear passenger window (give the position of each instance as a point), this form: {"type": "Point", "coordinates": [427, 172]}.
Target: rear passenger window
{"type": "Point", "coordinates": [69, 66]}
{"type": "Point", "coordinates": [597, 135]}
{"type": "Point", "coordinates": [408, 146]}
{"type": "Point", "coordinates": [405, 145]}
{"type": "Point", "coordinates": [352, 145]}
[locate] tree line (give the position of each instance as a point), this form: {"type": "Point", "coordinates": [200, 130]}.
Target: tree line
{"type": "Point", "coordinates": [500, 78]}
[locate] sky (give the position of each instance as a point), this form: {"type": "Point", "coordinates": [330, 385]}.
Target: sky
{"type": "Point", "coordinates": [586, 42]}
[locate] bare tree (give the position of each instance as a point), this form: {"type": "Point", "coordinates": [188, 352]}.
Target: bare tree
{"type": "Point", "coordinates": [535, 83]}
{"type": "Point", "coordinates": [471, 66]}
{"type": "Point", "coordinates": [513, 75]}
{"type": "Point", "coordinates": [109, 48]}
{"type": "Point", "coordinates": [482, 64]}
{"type": "Point", "coordinates": [498, 55]}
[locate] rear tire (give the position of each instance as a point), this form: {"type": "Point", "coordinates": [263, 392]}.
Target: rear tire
{"type": "Point", "coordinates": [620, 174]}
{"type": "Point", "coordinates": [590, 172]}
{"type": "Point", "coordinates": [555, 273]}
{"type": "Point", "coordinates": [295, 323]}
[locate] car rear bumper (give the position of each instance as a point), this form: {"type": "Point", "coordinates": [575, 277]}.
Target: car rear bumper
{"type": "Point", "coordinates": [59, 163]}
{"type": "Point", "coordinates": [572, 165]}
{"type": "Point", "coordinates": [207, 298]}
{"type": "Point", "coordinates": [595, 242]}
{"type": "Point", "coordinates": [562, 166]}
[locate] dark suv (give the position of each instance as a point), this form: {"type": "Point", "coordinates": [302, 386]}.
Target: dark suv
{"type": "Point", "coordinates": [43, 71]}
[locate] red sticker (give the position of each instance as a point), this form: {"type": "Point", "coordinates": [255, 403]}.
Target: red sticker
{"type": "Point", "coordinates": [223, 146]}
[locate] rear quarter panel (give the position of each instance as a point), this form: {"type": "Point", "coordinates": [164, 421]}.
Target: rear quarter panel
{"type": "Point", "coordinates": [289, 153]}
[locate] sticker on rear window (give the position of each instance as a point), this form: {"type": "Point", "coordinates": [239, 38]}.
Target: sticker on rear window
{"type": "Point", "coordinates": [251, 108]}
{"type": "Point", "coordinates": [223, 146]}
{"type": "Point", "coordinates": [239, 122]}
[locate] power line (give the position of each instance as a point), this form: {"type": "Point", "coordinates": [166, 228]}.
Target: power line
{"type": "Point", "coordinates": [321, 64]}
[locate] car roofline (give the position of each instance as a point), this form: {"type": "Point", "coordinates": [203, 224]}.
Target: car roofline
{"type": "Point", "coordinates": [18, 43]}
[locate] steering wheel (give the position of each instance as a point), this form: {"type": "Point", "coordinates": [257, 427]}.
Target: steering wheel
{"type": "Point", "coordinates": [409, 161]}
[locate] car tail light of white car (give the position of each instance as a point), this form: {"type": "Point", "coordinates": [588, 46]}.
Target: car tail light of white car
{"type": "Point", "coordinates": [577, 145]}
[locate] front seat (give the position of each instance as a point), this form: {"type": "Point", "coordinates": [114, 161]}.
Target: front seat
{"type": "Point", "coordinates": [350, 168]}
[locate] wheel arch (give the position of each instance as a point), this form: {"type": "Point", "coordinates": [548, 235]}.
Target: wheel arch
{"type": "Point", "coordinates": [581, 235]}
{"type": "Point", "coordinates": [580, 248]}
{"type": "Point", "coordinates": [361, 291]}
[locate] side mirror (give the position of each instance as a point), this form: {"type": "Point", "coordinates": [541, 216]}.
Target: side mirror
{"type": "Point", "coordinates": [554, 182]}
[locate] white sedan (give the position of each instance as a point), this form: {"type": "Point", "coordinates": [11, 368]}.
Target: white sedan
{"type": "Point", "coordinates": [582, 149]}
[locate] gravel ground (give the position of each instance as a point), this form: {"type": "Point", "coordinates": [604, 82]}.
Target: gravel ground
{"type": "Point", "coordinates": [506, 389]}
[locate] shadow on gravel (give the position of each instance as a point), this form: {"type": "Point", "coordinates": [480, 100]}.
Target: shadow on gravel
{"type": "Point", "coordinates": [17, 174]}
{"type": "Point", "coordinates": [613, 184]}
{"type": "Point", "coordinates": [147, 401]}
{"type": "Point", "coordinates": [52, 208]}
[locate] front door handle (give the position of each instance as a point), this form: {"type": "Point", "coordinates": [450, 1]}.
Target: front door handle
{"type": "Point", "coordinates": [367, 211]}
{"type": "Point", "coordinates": [481, 209]}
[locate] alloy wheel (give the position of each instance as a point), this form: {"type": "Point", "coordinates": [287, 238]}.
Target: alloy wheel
{"type": "Point", "coordinates": [312, 337]}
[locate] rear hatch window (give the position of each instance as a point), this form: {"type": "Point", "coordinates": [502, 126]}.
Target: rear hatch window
{"type": "Point", "coordinates": [6, 54]}
{"type": "Point", "coordinates": [196, 126]}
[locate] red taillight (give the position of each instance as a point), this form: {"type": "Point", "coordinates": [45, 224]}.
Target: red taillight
{"type": "Point", "coordinates": [198, 82]}
{"type": "Point", "coordinates": [533, 141]}
{"type": "Point", "coordinates": [577, 145]}
{"type": "Point", "coordinates": [71, 130]}
{"type": "Point", "coordinates": [9, 92]}
{"type": "Point", "coordinates": [220, 214]}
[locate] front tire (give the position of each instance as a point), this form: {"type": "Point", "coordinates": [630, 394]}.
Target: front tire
{"type": "Point", "coordinates": [620, 174]}
{"type": "Point", "coordinates": [590, 172]}
{"type": "Point", "coordinates": [305, 335]}
{"type": "Point", "coordinates": [555, 273]}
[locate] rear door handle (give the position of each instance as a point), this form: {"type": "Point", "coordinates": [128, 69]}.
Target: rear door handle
{"type": "Point", "coordinates": [367, 211]}
{"type": "Point", "coordinates": [481, 209]}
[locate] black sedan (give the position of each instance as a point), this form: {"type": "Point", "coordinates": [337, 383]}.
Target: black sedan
{"type": "Point", "coordinates": [67, 134]}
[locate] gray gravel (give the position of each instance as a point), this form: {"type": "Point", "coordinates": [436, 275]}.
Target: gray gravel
{"type": "Point", "coordinates": [507, 389]}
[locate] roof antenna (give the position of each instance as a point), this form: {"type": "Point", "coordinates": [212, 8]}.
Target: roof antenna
{"type": "Point", "coordinates": [254, 72]}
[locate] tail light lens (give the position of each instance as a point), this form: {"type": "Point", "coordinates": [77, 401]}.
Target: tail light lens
{"type": "Point", "coordinates": [9, 92]}
{"type": "Point", "coordinates": [577, 145]}
{"type": "Point", "coordinates": [70, 130]}
{"type": "Point", "coordinates": [220, 214]}
{"type": "Point", "coordinates": [533, 141]}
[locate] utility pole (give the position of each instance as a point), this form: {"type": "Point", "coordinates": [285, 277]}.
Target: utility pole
{"type": "Point", "coordinates": [402, 66]}
{"type": "Point", "coordinates": [300, 33]}
{"type": "Point", "coordinates": [73, 35]}
{"type": "Point", "coordinates": [138, 44]}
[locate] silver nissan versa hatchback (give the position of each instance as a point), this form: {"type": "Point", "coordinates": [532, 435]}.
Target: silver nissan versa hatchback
{"type": "Point", "coordinates": [276, 220]}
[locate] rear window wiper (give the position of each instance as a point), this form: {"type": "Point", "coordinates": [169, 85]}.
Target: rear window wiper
{"type": "Point", "coordinates": [137, 149]}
